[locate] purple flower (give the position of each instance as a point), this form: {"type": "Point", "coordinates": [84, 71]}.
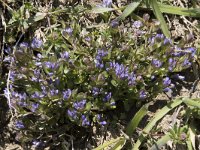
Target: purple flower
{"type": "Point", "coordinates": [159, 36]}
{"type": "Point", "coordinates": [179, 77]}
{"type": "Point", "coordinates": [37, 95]}
{"type": "Point", "coordinates": [34, 107]}
{"type": "Point", "coordinates": [38, 144]}
{"type": "Point", "coordinates": [107, 3]}
{"type": "Point", "coordinates": [39, 56]}
{"type": "Point", "coordinates": [88, 39]}
{"type": "Point", "coordinates": [103, 123]}
{"type": "Point", "coordinates": [167, 41]}
{"type": "Point", "coordinates": [53, 92]}
{"type": "Point", "coordinates": [143, 94]}
{"type": "Point", "coordinates": [85, 121]}
{"type": "Point", "coordinates": [99, 64]}
{"type": "Point", "coordinates": [151, 40]}
{"type": "Point", "coordinates": [107, 97]}
{"type": "Point", "coordinates": [166, 81]}
{"type": "Point", "coordinates": [22, 104]}
{"type": "Point", "coordinates": [12, 75]}
{"type": "Point", "coordinates": [120, 70]}
{"type": "Point", "coordinates": [178, 52]}
{"type": "Point", "coordinates": [186, 62]}
{"type": "Point", "coordinates": [95, 91]}
{"type": "Point", "coordinates": [8, 59]}
{"type": "Point", "coordinates": [140, 32]}
{"type": "Point", "coordinates": [72, 114]}
{"type": "Point", "coordinates": [172, 64]}
{"type": "Point", "coordinates": [24, 45]}
{"type": "Point", "coordinates": [99, 56]}
{"type": "Point", "coordinates": [80, 104]}
{"type": "Point", "coordinates": [51, 65]}
{"type": "Point", "coordinates": [36, 43]}
{"type": "Point", "coordinates": [131, 79]}
{"type": "Point", "coordinates": [137, 24]}
{"type": "Point", "coordinates": [14, 94]}
{"type": "Point", "coordinates": [112, 103]}
{"type": "Point", "coordinates": [167, 89]}
{"type": "Point", "coordinates": [156, 63]}
{"type": "Point", "coordinates": [34, 79]}
{"type": "Point", "coordinates": [8, 50]}
{"type": "Point", "coordinates": [57, 82]}
{"type": "Point", "coordinates": [37, 73]}
{"type": "Point", "coordinates": [67, 94]}
{"type": "Point", "coordinates": [65, 55]}
{"type": "Point", "coordinates": [192, 50]}
{"type": "Point", "coordinates": [98, 116]}
{"type": "Point", "coordinates": [19, 125]}
{"type": "Point", "coordinates": [69, 31]}
{"type": "Point", "coordinates": [38, 63]}
{"type": "Point", "coordinates": [114, 23]}
{"type": "Point", "coordinates": [22, 96]}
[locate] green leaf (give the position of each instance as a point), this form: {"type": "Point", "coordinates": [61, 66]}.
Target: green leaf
{"type": "Point", "coordinates": [88, 106]}
{"type": "Point", "coordinates": [109, 143]}
{"type": "Point", "coordinates": [159, 16]}
{"type": "Point", "coordinates": [161, 142]}
{"type": "Point", "coordinates": [189, 145]}
{"type": "Point", "coordinates": [39, 16]}
{"type": "Point", "coordinates": [194, 103]}
{"type": "Point", "coordinates": [191, 12]}
{"type": "Point", "coordinates": [160, 114]}
{"type": "Point", "coordinates": [192, 134]}
{"type": "Point", "coordinates": [136, 119]}
{"type": "Point", "coordinates": [114, 83]}
{"type": "Point", "coordinates": [129, 9]}
{"type": "Point", "coordinates": [119, 145]}
{"type": "Point", "coordinates": [101, 10]}
{"type": "Point", "coordinates": [25, 25]}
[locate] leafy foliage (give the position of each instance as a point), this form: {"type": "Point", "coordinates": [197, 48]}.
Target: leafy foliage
{"type": "Point", "coordinates": [67, 73]}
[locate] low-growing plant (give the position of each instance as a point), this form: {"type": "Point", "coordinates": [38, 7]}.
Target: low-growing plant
{"type": "Point", "coordinates": [65, 78]}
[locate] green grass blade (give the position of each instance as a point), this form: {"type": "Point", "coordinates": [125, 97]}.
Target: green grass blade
{"type": "Point", "coordinates": [136, 119]}
{"type": "Point", "coordinates": [194, 103]}
{"type": "Point", "coordinates": [119, 145]}
{"type": "Point", "coordinates": [191, 12]}
{"type": "Point", "coordinates": [159, 16]}
{"type": "Point", "coordinates": [160, 114]}
{"type": "Point", "coordinates": [189, 145]}
{"type": "Point", "coordinates": [161, 142]}
{"type": "Point", "coordinates": [192, 134]}
{"type": "Point", "coordinates": [109, 143]}
{"type": "Point", "coordinates": [129, 9]}
{"type": "Point", "coordinates": [101, 9]}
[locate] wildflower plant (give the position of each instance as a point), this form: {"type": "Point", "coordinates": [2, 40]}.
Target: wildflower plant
{"type": "Point", "coordinates": [78, 73]}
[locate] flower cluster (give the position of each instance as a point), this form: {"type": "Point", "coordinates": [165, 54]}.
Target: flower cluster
{"type": "Point", "coordinates": [107, 3]}
{"type": "Point", "coordinates": [73, 80]}
{"type": "Point", "coordinates": [99, 57]}
{"type": "Point", "coordinates": [122, 72]}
